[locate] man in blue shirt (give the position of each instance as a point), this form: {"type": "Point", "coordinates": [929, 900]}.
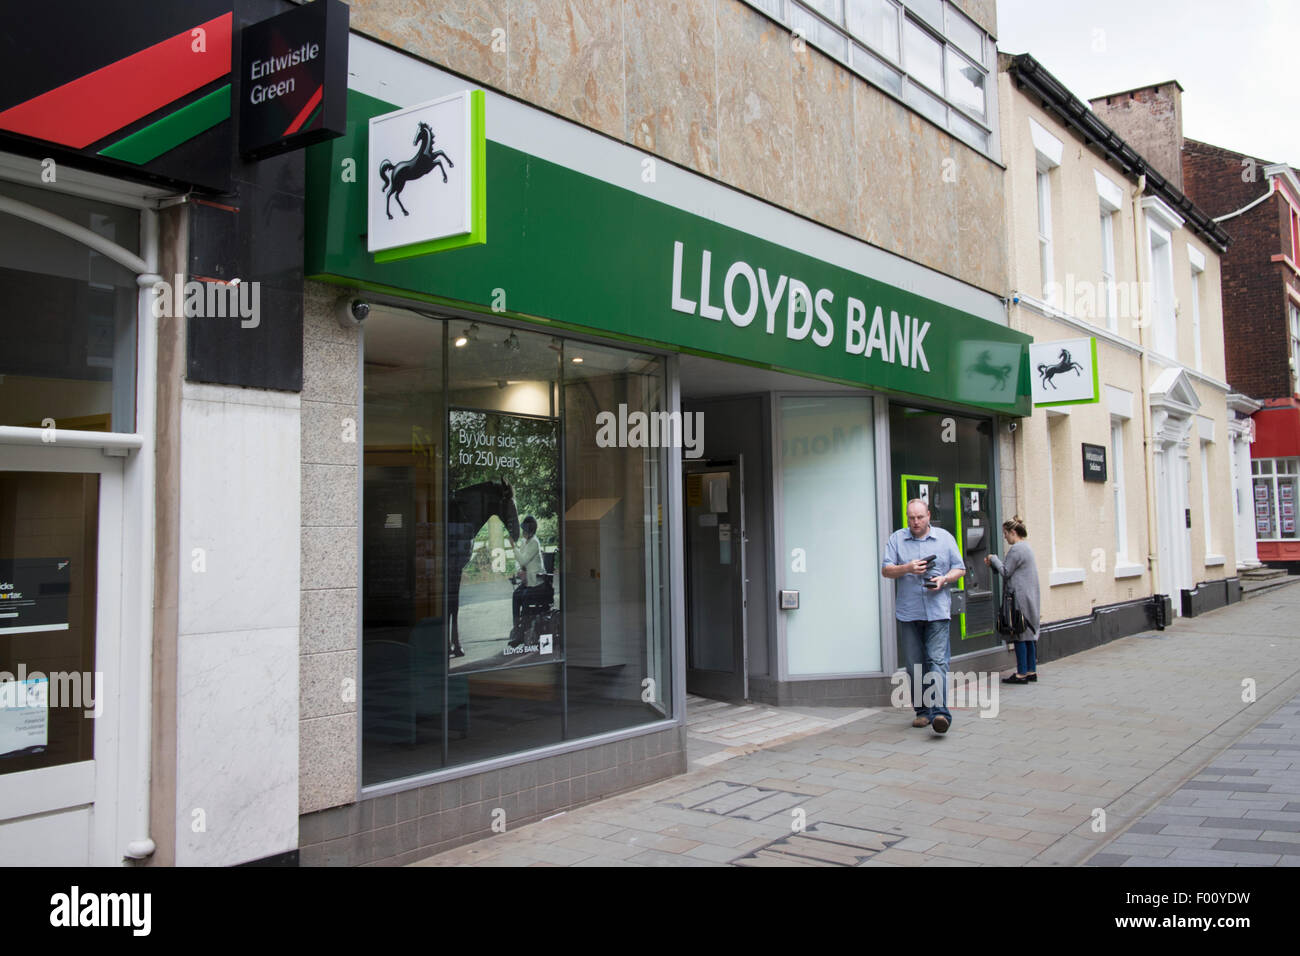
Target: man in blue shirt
{"type": "Point", "coordinates": [923, 607]}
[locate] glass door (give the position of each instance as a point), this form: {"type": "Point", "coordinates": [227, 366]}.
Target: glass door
{"type": "Point", "coordinates": [715, 580]}
{"type": "Point", "coordinates": [60, 545]}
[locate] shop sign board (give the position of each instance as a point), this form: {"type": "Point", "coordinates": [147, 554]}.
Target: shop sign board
{"type": "Point", "coordinates": [584, 254]}
{"type": "Point", "coordinates": [1065, 372]}
{"type": "Point", "coordinates": [294, 79]}
{"type": "Point", "coordinates": [1094, 462]}
{"type": "Point", "coordinates": [426, 178]}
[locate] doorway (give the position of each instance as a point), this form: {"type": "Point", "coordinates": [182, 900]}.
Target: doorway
{"type": "Point", "coordinates": [714, 512]}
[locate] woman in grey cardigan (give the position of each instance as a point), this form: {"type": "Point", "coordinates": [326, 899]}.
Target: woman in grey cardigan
{"type": "Point", "coordinates": [1021, 575]}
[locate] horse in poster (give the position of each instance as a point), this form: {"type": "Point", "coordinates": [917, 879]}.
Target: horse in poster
{"type": "Point", "coordinates": [469, 509]}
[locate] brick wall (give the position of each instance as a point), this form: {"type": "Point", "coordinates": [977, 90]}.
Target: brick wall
{"type": "Point", "coordinates": [1256, 340]}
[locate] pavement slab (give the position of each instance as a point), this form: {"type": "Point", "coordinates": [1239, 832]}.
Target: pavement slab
{"type": "Point", "coordinates": [1140, 752]}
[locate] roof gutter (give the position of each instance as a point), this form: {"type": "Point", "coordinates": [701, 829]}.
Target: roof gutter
{"type": "Point", "coordinates": [1029, 74]}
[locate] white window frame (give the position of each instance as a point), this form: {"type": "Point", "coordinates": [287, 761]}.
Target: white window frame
{"type": "Point", "coordinates": [1293, 337]}
{"type": "Point", "coordinates": [1109, 199]}
{"type": "Point", "coordinates": [1048, 152]}
{"type": "Point", "coordinates": [1119, 403]}
{"type": "Point", "coordinates": [1205, 430]}
{"type": "Point", "coordinates": [1268, 470]}
{"type": "Point", "coordinates": [1196, 258]}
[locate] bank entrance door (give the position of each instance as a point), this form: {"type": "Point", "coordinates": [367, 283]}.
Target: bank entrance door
{"type": "Point", "coordinates": [716, 659]}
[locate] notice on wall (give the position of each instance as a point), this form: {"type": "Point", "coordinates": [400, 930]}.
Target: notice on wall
{"type": "Point", "coordinates": [503, 603]}
{"type": "Point", "coordinates": [24, 716]}
{"type": "Point", "coordinates": [34, 594]}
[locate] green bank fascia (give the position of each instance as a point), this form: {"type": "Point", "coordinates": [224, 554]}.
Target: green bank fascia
{"type": "Point", "coordinates": [572, 252]}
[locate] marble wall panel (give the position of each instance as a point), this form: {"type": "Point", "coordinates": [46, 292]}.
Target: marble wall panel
{"type": "Point", "coordinates": [458, 34]}
{"type": "Point", "coordinates": [883, 151]}
{"type": "Point", "coordinates": [567, 56]}
{"type": "Point", "coordinates": [824, 145]}
{"type": "Point", "coordinates": [755, 103]}
{"type": "Point", "coordinates": [672, 89]}
{"type": "Point", "coordinates": [328, 762]}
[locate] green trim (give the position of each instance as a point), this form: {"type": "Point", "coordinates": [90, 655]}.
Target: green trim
{"type": "Point", "coordinates": [962, 551]}
{"type": "Point", "coordinates": [477, 234]}
{"type": "Point", "coordinates": [1096, 385]}
{"type": "Point", "coordinates": [147, 144]}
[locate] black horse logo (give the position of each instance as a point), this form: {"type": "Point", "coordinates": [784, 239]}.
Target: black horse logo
{"type": "Point", "coordinates": [421, 164]}
{"type": "Point", "coordinates": [984, 366]}
{"type": "Point", "coordinates": [1047, 372]}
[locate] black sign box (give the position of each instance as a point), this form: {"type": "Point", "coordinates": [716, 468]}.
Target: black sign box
{"type": "Point", "coordinates": [1094, 462]}
{"type": "Point", "coordinates": [293, 81]}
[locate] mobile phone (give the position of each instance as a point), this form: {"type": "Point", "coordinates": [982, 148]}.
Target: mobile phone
{"type": "Point", "coordinates": [929, 560]}
{"type": "Point", "coordinates": [932, 583]}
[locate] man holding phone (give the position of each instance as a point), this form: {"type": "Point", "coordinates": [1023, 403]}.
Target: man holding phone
{"type": "Point", "coordinates": [925, 562]}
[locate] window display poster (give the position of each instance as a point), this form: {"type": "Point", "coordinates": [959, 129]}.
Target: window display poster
{"type": "Point", "coordinates": [24, 716]}
{"type": "Point", "coordinates": [1263, 527]}
{"type": "Point", "coordinates": [1288, 509]}
{"type": "Point", "coordinates": [1285, 492]}
{"type": "Point", "coordinates": [1262, 509]}
{"type": "Point", "coordinates": [1288, 525]}
{"type": "Point", "coordinates": [504, 469]}
{"type": "Point", "coordinates": [34, 594]}
{"type": "Point", "coordinates": [1261, 492]}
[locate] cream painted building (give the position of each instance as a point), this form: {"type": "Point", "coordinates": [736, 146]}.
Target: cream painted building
{"type": "Point", "coordinates": [1103, 245]}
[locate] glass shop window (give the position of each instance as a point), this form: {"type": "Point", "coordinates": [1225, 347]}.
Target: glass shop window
{"type": "Point", "coordinates": [69, 321]}
{"type": "Point", "coordinates": [513, 554]}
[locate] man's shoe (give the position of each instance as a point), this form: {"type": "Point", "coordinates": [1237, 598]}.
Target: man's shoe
{"type": "Point", "coordinates": [921, 722]}
{"type": "Point", "coordinates": [1016, 679]}
{"type": "Point", "coordinates": [941, 724]}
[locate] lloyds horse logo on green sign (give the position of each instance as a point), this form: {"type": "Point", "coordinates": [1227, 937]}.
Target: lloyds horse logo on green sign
{"type": "Point", "coordinates": [424, 161]}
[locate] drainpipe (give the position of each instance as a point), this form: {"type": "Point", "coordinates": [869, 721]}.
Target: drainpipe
{"type": "Point", "coordinates": [141, 846]}
{"type": "Point", "coordinates": [1148, 464]}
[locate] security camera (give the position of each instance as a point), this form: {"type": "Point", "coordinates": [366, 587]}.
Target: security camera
{"type": "Point", "coordinates": [1012, 426]}
{"type": "Point", "coordinates": [349, 313]}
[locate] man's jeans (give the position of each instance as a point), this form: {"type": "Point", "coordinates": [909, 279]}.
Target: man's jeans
{"type": "Point", "coordinates": [926, 643]}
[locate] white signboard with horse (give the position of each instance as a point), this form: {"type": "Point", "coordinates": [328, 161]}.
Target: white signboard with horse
{"type": "Point", "coordinates": [425, 177]}
{"type": "Point", "coordinates": [1064, 372]}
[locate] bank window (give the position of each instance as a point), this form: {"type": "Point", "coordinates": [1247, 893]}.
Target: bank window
{"type": "Point", "coordinates": [1276, 484]}
{"type": "Point", "coordinates": [513, 561]}
{"type": "Point", "coordinates": [70, 324]}
{"type": "Point", "coordinates": [876, 23]}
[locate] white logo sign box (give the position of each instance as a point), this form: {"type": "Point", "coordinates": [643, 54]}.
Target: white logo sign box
{"type": "Point", "coordinates": [1064, 372]}
{"type": "Point", "coordinates": [426, 178]}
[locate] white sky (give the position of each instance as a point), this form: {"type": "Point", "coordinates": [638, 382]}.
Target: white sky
{"type": "Point", "coordinates": [1238, 60]}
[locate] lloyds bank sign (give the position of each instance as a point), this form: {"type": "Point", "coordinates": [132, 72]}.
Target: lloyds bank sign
{"type": "Point", "coordinates": [572, 251]}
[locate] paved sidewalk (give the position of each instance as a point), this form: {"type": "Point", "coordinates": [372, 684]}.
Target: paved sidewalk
{"type": "Point", "coordinates": [1114, 730]}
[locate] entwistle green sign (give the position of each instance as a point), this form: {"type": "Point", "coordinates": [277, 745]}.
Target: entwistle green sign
{"type": "Point", "coordinates": [571, 251]}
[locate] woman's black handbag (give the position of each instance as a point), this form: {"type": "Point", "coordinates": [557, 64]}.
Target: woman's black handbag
{"type": "Point", "coordinates": [1011, 622]}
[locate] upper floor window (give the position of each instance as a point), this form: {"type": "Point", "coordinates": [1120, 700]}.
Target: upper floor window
{"type": "Point", "coordinates": [1197, 260]}
{"type": "Point", "coordinates": [1293, 321]}
{"type": "Point", "coordinates": [1109, 197]}
{"type": "Point", "coordinates": [1044, 191]}
{"type": "Point", "coordinates": [925, 52]}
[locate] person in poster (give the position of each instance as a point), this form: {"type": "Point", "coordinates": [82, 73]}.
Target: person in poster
{"type": "Point", "coordinates": [501, 466]}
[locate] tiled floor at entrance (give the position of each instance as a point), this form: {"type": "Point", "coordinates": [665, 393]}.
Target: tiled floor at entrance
{"type": "Point", "coordinates": [717, 730]}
